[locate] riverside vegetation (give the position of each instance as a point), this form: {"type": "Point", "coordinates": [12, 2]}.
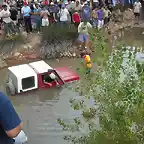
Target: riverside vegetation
{"type": "Point", "coordinates": [117, 90]}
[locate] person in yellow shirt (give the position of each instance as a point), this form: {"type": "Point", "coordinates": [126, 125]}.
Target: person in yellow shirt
{"type": "Point", "coordinates": [87, 62]}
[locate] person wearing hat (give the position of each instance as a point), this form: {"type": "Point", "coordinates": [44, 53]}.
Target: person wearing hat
{"type": "Point", "coordinates": [52, 10]}
{"type": "Point", "coordinates": [86, 12]}
{"type": "Point", "coordinates": [8, 24]}
{"type": "Point", "coordinates": [26, 12]}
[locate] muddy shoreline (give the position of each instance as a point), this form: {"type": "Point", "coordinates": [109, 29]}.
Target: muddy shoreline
{"type": "Point", "coordinates": [34, 47]}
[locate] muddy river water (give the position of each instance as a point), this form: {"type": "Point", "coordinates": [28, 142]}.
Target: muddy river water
{"type": "Point", "coordinates": [39, 110]}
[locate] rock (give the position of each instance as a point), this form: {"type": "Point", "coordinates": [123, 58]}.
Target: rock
{"type": "Point", "coordinates": [24, 34]}
{"type": "Point", "coordinates": [16, 54]}
{"type": "Point", "coordinates": [74, 54]}
{"type": "Point", "coordinates": [57, 60]}
{"type": "Point", "coordinates": [29, 46]}
{"type": "Point", "coordinates": [3, 63]}
{"type": "Point", "coordinates": [25, 47]}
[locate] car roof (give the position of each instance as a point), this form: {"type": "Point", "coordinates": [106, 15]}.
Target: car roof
{"type": "Point", "coordinates": [22, 71]}
{"type": "Point", "coordinates": [40, 66]}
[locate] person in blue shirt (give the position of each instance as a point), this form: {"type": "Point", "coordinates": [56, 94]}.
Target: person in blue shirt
{"type": "Point", "coordinates": [86, 12]}
{"type": "Point", "coordinates": [26, 11]}
{"type": "Point", "coordinates": [10, 123]}
{"type": "Point", "coordinates": [36, 16]}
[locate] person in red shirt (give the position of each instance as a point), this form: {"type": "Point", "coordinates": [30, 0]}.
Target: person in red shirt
{"type": "Point", "coordinates": [76, 19]}
{"type": "Point", "coordinates": [46, 2]}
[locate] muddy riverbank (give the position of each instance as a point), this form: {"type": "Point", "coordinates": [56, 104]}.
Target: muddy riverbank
{"type": "Point", "coordinates": [56, 43]}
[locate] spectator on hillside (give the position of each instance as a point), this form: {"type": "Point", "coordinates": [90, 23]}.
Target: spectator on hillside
{"type": "Point", "coordinates": [52, 11]}
{"type": "Point", "coordinates": [94, 18]}
{"type": "Point", "coordinates": [76, 19]}
{"type": "Point", "coordinates": [77, 6]}
{"type": "Point", "coordinates": [95, 4]}
{"type": "Point", "coordinates": [26, 11]}
{"type": "Point", "coordinates": [14, 14]}
{"type": "Point", "coordinates": [100, 15]}
{"type": "Point", "coordinates": [8, 24]}
{"type": "Point", "coordinates": [107, 15]}
{"type": "Point", "coordinates": [44, 15]}
{"type": "Point", "coordinates": [86, 12]}
{"type": "Point", "coordinates": [64, 15]}
{"type": "Point", "coordinates": [137, 6]}
{"type": "Point", "coordinates": [36, 13]}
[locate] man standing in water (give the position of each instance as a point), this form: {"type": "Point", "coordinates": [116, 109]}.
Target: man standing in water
{"type": "Point", "coordinates": [10, 123]}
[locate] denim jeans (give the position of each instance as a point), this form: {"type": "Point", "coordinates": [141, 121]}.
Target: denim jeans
{"type": "Point", "coordinates": [9, 28]}
{"type": "Point", "coordinates": [64, 23]}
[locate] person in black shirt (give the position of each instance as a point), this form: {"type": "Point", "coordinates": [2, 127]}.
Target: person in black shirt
{"type": "Point", "coordinates": [20, 17]}
{"type": "Point", "coordinates": [14, 14]}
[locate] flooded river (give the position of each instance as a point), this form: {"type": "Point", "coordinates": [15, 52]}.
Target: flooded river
{"type": "Point", "coordinates": [39, 110]}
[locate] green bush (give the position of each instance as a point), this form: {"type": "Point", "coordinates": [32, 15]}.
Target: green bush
{"type": "Point", "coordinates": [56, 32]}
{"type": "Point", "coordinates": [117, 90]}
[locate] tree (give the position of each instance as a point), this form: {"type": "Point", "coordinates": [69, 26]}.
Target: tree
{"type": "Point", "coordinates": [117, 90]}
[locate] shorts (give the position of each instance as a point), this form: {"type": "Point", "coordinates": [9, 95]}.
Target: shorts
{"type": "Point", "coordinates": [100, 24]}
{"type": "Point", "coordinates": [83, 38]}
{"type": "Point", "coordinates": [137, 14]}
{"type": "Point", "coordinates": [45, 22]}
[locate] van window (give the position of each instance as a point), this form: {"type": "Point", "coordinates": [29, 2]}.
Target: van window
{"type": "Point", "coordinates": [28, 82]}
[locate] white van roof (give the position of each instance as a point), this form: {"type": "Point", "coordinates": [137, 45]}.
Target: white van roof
{"type": "Point", "coordinates": [40, 66]}
{"type": "Point", "coordinates": [22, 71]}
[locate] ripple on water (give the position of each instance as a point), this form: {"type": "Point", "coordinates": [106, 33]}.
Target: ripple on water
{"type": "Point", "coordinates": [40, 110]}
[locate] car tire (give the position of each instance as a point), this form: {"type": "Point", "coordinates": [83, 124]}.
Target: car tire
{"type": "Point", "coordinates": [11, 89]}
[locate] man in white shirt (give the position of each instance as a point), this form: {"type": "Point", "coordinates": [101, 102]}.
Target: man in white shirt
{"type": "Point", "coordinates": [136, 8]}
{"type": "Point", "coordinates": [8, 23]}
{"type": "Point", "coordinates": [64, 15]}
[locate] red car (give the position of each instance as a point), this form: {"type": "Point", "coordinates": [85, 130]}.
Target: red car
{"type": "Point", "coordinates": [37, 75]}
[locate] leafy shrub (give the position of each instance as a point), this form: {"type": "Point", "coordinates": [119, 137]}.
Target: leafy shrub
{"type": "Point", "coordinates": [117, 90]}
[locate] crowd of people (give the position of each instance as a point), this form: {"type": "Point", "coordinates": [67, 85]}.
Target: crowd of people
{"type": "Point", "coordinates": [35, 15]}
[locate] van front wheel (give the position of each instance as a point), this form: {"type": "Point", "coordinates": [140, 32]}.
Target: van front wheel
{"type": "Point", "coordinates": [11, 89]}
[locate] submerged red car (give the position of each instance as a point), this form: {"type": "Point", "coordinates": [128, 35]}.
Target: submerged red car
{"type": "Point", "coordinates": [37, 75]}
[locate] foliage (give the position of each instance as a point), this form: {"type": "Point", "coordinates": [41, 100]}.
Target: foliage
{"type": "Point", "coordinates": [55, 33]}
{"type": "Point", "coordinates": [117, 90]}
